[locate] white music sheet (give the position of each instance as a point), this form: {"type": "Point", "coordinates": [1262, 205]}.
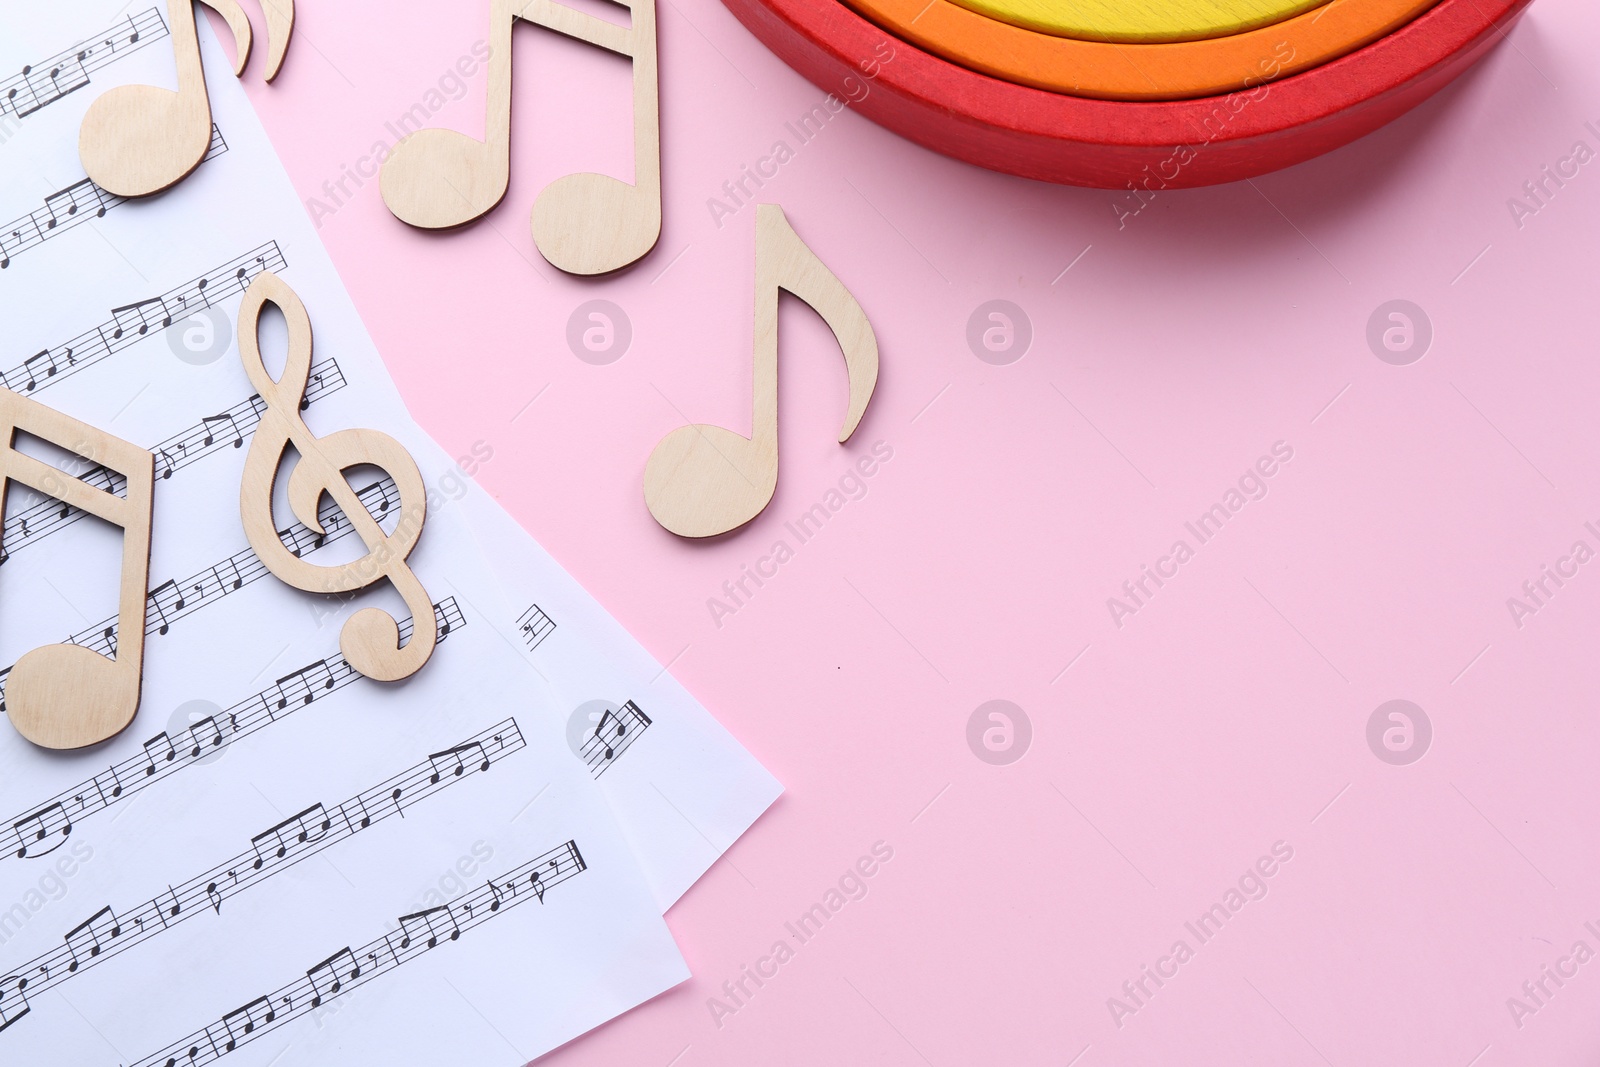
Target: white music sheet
{"type": "Point", "coordinates": [684, 788]}
{"type": "Point", "coordinates": [279, 862]}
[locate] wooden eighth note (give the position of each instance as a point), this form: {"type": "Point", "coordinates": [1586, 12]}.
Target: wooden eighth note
{"type": "Point", "coordinates": [140, 139]}
{"type": "Point", "coordinates": [582, 223]}
{"type": "Point", "coordinates": [370, 640]}
{"type": "Point", "coordinates": [67, 696]}
{"type": "Point", "coordinates": [703, 480]}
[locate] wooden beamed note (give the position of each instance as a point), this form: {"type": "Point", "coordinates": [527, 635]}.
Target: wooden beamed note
{"type": "Point", "coordinates": [582, 223]}
{"type": "Point", "coordinates": [140, 139]}
{"type": "Point", "coordinates": [704, 480]}
{"type": "Point", "coordinates": [66, 696]}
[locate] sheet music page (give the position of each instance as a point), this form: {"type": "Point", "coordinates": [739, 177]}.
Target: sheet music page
{"type": "Point", "coordinates": [280, 860]}
{"type": "Point", "coordinates": [682, 786]}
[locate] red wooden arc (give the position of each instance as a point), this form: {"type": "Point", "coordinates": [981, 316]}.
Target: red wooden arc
{"type": "Point", "coordinates": [1114, 144]}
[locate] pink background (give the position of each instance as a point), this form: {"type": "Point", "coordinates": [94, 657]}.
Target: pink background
{"type": "Point", "coordinates": [1228, 714]}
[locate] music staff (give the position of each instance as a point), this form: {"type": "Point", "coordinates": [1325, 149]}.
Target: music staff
{"type": "Point", "coordinates": [43, 83]}
{"type": "Point", "coordinates": [108, 933]}
{"type": "Point", "coordinates": [534, 626]}
{"type": "Point", "coordinates": [607, 743]}
{"type": "Point", "coordinates": [174, 599]}
{"type": "Point", "coordinates": [214, 433]}
{"type": "Point", "coordinates": [129, 324]}
{"type": "Point", "coordinates": [351, 967]}
{"type": "Point", "coordinates": [69, 207]}
{"type": "Point", "coordinates": [45, 828]}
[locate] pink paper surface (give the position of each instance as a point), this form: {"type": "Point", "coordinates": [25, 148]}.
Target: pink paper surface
{"type": "Point", "coordinates": [1171, 747]}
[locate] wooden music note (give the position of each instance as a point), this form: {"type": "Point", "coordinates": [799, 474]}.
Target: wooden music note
{"type": "Point", "coordinates": [66, 696]}
{"type": "Point", "coordinates": [370, 640]}
{"type": "Point", "coordinates": [703, 480]}
{"type": "Point", "coordinates": [582, 223]}
{"type": "Point", "coordinates": [140, 139]}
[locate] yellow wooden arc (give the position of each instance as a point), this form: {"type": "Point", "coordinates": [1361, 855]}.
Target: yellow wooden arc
{"type": "Point", "coordinates": [1140, 21]}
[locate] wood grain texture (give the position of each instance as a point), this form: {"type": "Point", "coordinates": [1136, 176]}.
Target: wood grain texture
{"type": "Point", "coordinates": [1128, 145]}
{"type": "Point", "coordinates": [140, 139]}
{"type": "Point", "coordinates": [66, 696]}
{"type": "Point", "coordinates": [582, 223]}
{"type": "Point", "coordinates": [370, 639]}
{"type": "Point", "coordinates": [704, 480]}
{"type": "Point", "coordinates": [1140, 72]}
{"type": "Point", "coordinates": [1140, 21]}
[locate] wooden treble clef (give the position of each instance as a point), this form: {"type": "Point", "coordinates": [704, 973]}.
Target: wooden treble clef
{"type": "Point", "coordinates": [370, 640]}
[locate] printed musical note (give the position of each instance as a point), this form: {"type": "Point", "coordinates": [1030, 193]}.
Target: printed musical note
{"type": "Point", "coordinates": [207, 733]}
{"type": "Point", "coordinates": [36, 829]}
{"type": "Point", "coordinates": [65, 696]}
{"type": "Point", "coordinates": [704, 480]}
{"type": "Point", "coordinates": [369, 639]}
{"type": "Point", "coordinates": [325, 977]}
{"type": "Point", "coordinates": [95, 345]}
{"type": "Point", "coordinates": [139, 317]}
{"type": "Point", "coordinates": [161, 597]}
{"type": "Point", "coordinates": [66, 76]}
{"type": "Point", "coordinates": [172, 455]}
{"type": "Point", "coordinates": [309, 826]}
{"type": "Point", "coordinates": [618, 728]}
{"type": "Point", "coordinates": [453, 762]}
{"type": "Point", "coordinates": [86, 940]}
{"type": "Point", "coordinates": [32, 371]}
{"type": "Point", "coordinates": [429, 925]}
{"type": "Point", "coordinates": [13, 999]}
{"type": "Point", "coordinates": [140, 139]}
{"type": "Point", "coordinates": [84, 195]}
{"type": "Point", "coordinates": [43, 83]}
{"type": "Point", "coordinates": [302, 686]}
{"type": "Point", "coordinates": [11, 243]}
{"type": "Point", "coordinates": [157, 751]}
{"type": "Point", "coordinates": [382, 956]}
{"type": "Point", "coordinates": [108, 934]}
{"type": "Point", "coordinates": [606, 744]}
{"type": "Point", "coordinates": [535, 626]}
{"type": "Point", "coordinates": [224, 422]}
{"type": "Point", "coordinates": [62, 813]}
{"type": "Point", "coordinates": [541, 878]}
{"type": "Point", "coordinates": [74, 205]}
{"type": "Point", "coordinates": [241, 1022]}
{"type": "Point", "coordinates": [582, 223]}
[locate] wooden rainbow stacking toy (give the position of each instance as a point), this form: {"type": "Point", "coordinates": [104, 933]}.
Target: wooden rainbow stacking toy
{"type": "Point", "coordinates": [1132, 93]}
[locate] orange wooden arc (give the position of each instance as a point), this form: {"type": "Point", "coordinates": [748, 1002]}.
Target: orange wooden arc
{"type": "Point", "coordinates": [1140, 21]}
{"type": "Point", "coordinates": [1169, 71]}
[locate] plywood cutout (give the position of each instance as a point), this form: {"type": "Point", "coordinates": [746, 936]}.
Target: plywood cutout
{"type": "Point", "coordinates": [582, 223]}
{"type": "Point", "coordinates": [66, 696]}
{"type": "Point", "coordinates": [705, 480]}
{"type": "Point", "coordinates": [140, 139]}
{"type": "Point", "coordinates": [370, 639]}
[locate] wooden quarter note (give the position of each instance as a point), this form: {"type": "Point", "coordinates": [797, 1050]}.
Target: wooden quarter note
{"type": "Point", "coordinates": [140, 139]}
{"type": "Point", "coordinates": [704, 480]}
{"type": "Point", "coordinates": [582, 223]}
{"type": "Point", "coordinates": [67, 696]}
